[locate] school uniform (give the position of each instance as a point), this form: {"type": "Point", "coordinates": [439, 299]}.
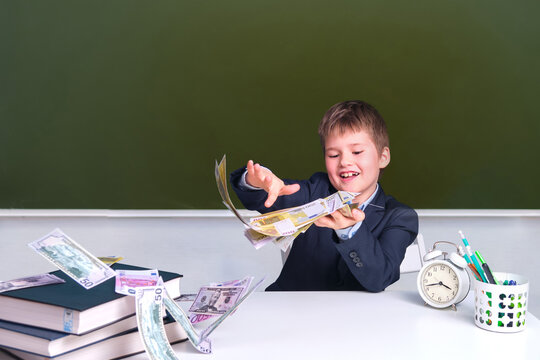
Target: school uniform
{"type": "Point", "coordinates": [319, 260]}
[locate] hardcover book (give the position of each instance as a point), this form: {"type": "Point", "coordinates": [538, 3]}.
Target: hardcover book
{"type": "Point", "coordinates": [120, 345]}
{"type": "Point", "coordinates": [70, 308]}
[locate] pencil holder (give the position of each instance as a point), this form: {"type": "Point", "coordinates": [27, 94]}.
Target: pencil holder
{"type": "Point", "coordinates": [501, 308]}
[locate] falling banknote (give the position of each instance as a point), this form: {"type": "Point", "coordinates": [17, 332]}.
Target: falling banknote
{"type": "Point", "coordinates": [30, 281]}
{"type": "Point", "coordinates": [72, 259]}
{"type": "Point", "coordinates": [197, 316]}
{"type": "Point", "coordinates": [149, 310]}
{"type": "Point", "coordinates": [282, 226]}
{"type": "Point", "coordinates": [127, 281]}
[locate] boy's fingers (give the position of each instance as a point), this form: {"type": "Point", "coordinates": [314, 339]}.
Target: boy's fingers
{"type": "Point", "coordinates": [290, 189]}
{"type": "Point", "coordinates": [271, 199]}
{"type": "Point", "coordinates": [358, 215]}
{"type": "Point", "coordinates": [323, 222]}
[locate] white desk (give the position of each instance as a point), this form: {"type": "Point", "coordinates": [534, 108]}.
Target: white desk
{"type": "Point", "coordinates": [359, 325]}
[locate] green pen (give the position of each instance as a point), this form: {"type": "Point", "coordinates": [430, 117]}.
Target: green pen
{"type": "Point", "coordinates": [487, 270]}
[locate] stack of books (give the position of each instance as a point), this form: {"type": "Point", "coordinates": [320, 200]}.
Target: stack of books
{"type": "Point", "coordinates": [66, 321]}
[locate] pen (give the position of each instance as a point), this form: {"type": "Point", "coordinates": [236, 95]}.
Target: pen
{"type": "Point", "coordinates": [487, 270]}
{"type": "Point", "coordinates": [471, 266]}
{"type": "Point", "coordinates": [476, 263]}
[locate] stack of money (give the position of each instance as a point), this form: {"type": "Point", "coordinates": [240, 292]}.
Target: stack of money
{"type": "Point", "coordinates": [282, 226]}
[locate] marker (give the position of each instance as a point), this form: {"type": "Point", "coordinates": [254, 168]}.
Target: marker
{"type": "Point", "coordinates": [487, 270]}
{"type": "Point", "coordinates": [476, 263]}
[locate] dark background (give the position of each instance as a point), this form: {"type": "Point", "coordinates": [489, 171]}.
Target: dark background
{"type": "Point", "coordinates": [127, 104]}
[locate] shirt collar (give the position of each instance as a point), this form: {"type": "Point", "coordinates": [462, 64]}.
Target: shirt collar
{"type": "Point", "coordinates": [366, 203]}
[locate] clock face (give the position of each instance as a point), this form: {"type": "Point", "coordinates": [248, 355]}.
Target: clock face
{"type": "Point", "coordinates": [439, 283]}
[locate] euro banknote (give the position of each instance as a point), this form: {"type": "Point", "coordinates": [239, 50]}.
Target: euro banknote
{"type": "Point", "coordinates": [282, 226]}
{"type": "Point", "coordinates": [127, 281]}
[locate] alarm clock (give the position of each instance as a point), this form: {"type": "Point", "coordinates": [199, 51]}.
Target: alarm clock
{"type": "Point", "coordinates": [443, 280]}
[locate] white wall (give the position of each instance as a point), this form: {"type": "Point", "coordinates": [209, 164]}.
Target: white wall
{"type": "Point", "coordinates": [208, 245]}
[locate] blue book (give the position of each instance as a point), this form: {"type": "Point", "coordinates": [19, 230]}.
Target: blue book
{"type": "Point", "coordinates": [70, 308]}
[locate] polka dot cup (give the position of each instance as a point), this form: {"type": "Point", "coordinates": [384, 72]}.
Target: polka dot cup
{"type": "Point", "coordinates": [501, 308]}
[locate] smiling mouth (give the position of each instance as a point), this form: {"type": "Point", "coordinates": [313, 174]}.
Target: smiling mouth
{"type": "Point", "coordinates": [347, 175]}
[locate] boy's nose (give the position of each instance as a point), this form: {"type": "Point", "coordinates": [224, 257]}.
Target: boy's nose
{"type": "Point", "coordinates": [346, 159]}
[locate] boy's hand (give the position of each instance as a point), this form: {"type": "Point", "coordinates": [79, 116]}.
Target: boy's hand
{"type": "Point", "coordinates": [263, 178]}
{"type": "Point", "coordinates": [337, 220]}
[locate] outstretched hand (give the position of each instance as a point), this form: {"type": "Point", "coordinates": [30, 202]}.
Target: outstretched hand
{"type": "Point", "coordinates": [337, 220]}
{"type": "Point", "coordinates": [263, 178]}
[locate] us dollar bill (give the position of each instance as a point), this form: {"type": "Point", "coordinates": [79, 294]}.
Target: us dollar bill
{"type": "Point", "coordinates": [72, 259]}
{"type": "Point", "coordinates": [205, 295]}
{"type": "Point", "coordinates": [215, 300]}
{"type": "Point", "coordinates": [203, 345]}
{"type": "Point", "coordinates": [30, 281]}
{"type": "Point", "coordinates": [149, 312]}
{"type": "Point", "coordinates": [201, 341]}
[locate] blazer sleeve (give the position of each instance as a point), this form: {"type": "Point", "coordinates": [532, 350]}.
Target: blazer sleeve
{"type": "Point", "coordinates": [254, 199]}
{"type": "Point", "coordinates": [374, 261]}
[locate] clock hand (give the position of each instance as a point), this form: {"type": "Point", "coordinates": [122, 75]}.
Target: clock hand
{"type": "Point", "coordinates": [441, 283]}
{"type": "Point", "coordinates": [434, 284]}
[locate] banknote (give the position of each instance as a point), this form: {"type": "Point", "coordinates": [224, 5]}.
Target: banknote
{"type": "Point", "coordinates": [282, 226]}
{"type": "Point", "coordinates": [215, 300]}
{"type": "Point", "coordinates": [127, 281]}
{"type": "Point", "coordinates": [201, 344]}
{"type": "Point", "coordinates": [72, 259]}
{"type": "Point", "coordinates": [149, 312]}
{"type": "Point", "coordinates": [221, 181]}
{"type": "Point", "coordinates": [30, 281]}
{"type": "Point", "coordinates": [244, 283]}
{"type": "Point", "coordinates": [187, 297]}
{"type": "Point", "coordinates": [289, 221]}
{"type": "Point", "coordinates": [206, 332]}
{"type": "Point", "coordinates": [109, 260]}
{"type": "Point", "coordinates": [201, 341]}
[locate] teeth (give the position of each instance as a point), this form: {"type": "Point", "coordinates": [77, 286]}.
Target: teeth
{"type": "Point", "coordinates": [349, 174]}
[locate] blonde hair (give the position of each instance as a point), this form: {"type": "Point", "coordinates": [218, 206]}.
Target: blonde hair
{"type": "Point", "coordinates": [354, 115]}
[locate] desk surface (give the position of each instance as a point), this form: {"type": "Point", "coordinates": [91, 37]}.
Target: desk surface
{"type": "Point", "coordinates": [354, 325]}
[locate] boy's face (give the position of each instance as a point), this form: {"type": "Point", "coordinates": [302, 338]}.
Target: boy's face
{"type": "Point", "coordinates": [353, 162]}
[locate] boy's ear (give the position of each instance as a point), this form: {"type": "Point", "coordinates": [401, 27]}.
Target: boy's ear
{"type": "Point", "coordinates": [384, 159]}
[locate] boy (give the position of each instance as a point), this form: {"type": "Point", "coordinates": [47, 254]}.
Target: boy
{"type": "Point", "coordinates": [361, 252]}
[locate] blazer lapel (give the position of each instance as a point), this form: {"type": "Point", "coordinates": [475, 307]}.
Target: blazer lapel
{"type": "Point", "coordinates": [375, 210]}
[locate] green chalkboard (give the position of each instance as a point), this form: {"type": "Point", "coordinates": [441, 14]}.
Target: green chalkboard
{"type": "Point", "coordinates": [127, 104]}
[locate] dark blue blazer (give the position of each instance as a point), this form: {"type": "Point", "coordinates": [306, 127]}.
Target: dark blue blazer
{"type": "Point", "coordinates": [318, 260]}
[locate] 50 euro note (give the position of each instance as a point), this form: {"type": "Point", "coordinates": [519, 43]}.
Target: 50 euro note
{"type": "Point", "coordinates": [282, 226]}
{"type": "Point", "coordinates": [72, 259]}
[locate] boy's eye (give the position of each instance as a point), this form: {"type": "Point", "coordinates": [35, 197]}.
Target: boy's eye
{"type": "Point", "coordinates": [332, 156]}
{"type": "Point", "coordinates": [357, 152]}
